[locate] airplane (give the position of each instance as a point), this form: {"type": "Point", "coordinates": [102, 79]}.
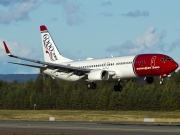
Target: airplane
{"type": "Point", "coordinates": [141, 68]}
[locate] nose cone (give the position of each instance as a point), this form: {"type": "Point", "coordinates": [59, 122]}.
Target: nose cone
{"type": "Point", "coordinates": [175, 66]}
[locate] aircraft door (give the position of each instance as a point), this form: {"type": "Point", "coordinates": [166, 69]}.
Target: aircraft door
{"type": "Point", "coordinates": [106, 65]}
{"type": "Point", "coordinates": [153, 64]}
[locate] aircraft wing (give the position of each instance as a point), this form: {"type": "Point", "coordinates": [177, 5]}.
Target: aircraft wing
{"type": "Point", "coordinates": [60, 67]}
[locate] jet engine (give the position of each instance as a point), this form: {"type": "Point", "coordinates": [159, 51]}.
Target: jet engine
{"type": "Point", "coordinates": [98, 75]}
{"type": "Point", "coordinates": [143, 81]}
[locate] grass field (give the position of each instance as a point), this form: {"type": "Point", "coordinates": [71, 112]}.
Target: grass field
{"type": "Point", "coordinates": [91, 116]}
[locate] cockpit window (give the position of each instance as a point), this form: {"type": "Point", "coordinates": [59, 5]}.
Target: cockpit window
{"type": "Point", "coordinates": [169, 59]}
{"type": "Point", "coordinates": [162, 59]}
{"type": "Point", "coordinates": [166, 59]}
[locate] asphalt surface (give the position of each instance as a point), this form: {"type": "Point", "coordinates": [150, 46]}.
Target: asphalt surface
{"type": "Point", "coordinates": [91, 128]}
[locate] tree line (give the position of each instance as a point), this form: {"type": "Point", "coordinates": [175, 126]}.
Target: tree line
{"type": "Point", "coordinates": [46, 93]}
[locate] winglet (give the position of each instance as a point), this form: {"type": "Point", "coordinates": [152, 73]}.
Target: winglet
{"type": "Point", "coordinates": [43, 28]}
{"type": "Point", "coordinates": [6, 48]}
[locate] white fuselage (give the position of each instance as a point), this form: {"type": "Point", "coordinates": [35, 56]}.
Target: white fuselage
{"type": "Point", "coordinates": [118, 67]}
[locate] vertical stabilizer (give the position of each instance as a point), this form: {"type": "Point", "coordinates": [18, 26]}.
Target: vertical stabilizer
{"type": "Point", "coordinates": [51, 53]}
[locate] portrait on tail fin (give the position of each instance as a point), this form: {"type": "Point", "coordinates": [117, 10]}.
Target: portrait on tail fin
{"type": "Point", "coordinates": [49, 49]}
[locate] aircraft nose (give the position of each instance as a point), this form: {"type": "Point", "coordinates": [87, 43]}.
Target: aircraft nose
{"type": "Point", "coordinates": [175, 65]}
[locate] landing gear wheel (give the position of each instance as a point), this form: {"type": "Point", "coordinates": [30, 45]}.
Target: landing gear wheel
{"type": "Point", "coordinates": [161, 82]}
{"type": "Point", "coordinates": [118, 88]}
{"type": "Point", "coordinates": [91, 86]}
{"type": "Point", "coordinates": [121, 83]}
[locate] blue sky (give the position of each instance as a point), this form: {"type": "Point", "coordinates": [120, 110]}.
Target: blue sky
{"type": "Point", "coordinates": [84, 29]}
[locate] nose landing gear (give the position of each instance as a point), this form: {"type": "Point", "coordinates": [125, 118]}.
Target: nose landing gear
{"type": "Point", "coordinates": [161, 81]}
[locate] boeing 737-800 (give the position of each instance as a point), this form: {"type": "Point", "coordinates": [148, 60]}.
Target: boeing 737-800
{"type": "Point", "coordinates": [141, 68]}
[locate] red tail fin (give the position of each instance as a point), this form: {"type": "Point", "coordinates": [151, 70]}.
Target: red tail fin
{"type": "Point", "coordinates": [43, 28]}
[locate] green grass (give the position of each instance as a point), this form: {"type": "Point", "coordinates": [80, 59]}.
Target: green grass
{"type": "Point", "coordinates": [92, 116]}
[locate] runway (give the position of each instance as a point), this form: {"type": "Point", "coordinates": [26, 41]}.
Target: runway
{"type": "Point", "coordinates": [89, 128]}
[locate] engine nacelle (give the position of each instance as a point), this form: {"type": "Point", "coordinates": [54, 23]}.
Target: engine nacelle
{"type": "Point", "coordinates": [98, 75]}
{"type": "Point", "coordinates": [143, 81]}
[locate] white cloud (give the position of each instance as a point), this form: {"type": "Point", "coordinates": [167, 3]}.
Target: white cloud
{"type": "Point", "coordinates": [106, 14]}
{"type": "Point", "coordinates": [17, 12]}
{"type": "Point", "coordinates": [108, 3]}
{"type": "Point", "coordinates": [150, 38]}
{"type": "Point", "coordinates": [71, 10]}
{"type": "Point", "coordinates": [170, 47]}
{"type": "Point", "coordinates": [57, 1]}
{"type": "Point", "coordinates": [11, 2]}
{"type": "Point", "coordinates": [137, 13]}
{"type": "Point", "coordinates": [2, 51]}
{"type": "Point", "coordinates": [150, 41]}
{"type": "Point", "coordinates": [18, 49]}
{"type": "Point", "coordinates": [54, 19]}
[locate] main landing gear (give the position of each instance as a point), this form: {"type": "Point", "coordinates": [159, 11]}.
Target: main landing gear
{"type": "Point", "coordinates": [117, 87]}
{"type": "Point", "coordinates": [91, 85]}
